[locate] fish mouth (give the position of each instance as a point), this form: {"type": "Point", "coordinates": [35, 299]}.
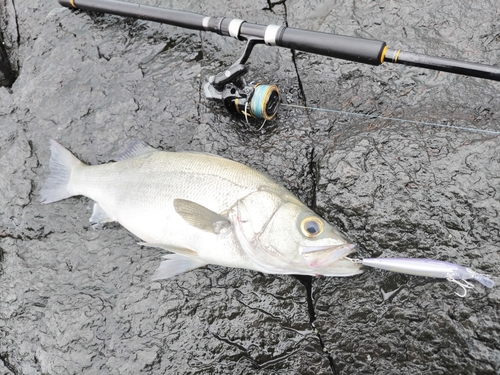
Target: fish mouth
{"type": "Point", "coordinates": [321, 256]}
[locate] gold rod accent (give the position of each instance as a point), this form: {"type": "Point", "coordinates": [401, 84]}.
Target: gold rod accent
{"type": "Point", "coordinates": [384, 51]}
{"type": "Point", "coordinates": [396, 55]}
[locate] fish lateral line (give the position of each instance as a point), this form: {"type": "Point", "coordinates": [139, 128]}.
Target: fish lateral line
{"type": "Point", "coordinates": [452, 272]}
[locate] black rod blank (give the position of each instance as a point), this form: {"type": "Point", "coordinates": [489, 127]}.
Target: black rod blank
{"type": "Point", "coordinates": [368, 51]}
{"type": "Point", "coordinates": [443, 64]}
{"type": "Point", "coordinates": [179, 18]}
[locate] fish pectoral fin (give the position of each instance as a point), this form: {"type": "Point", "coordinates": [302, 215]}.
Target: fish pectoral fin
{"type": "Point", "coordinates": [174, 249]}
{"type": "Point", "coordinates": [201, 217]}
{"type": "Point", "coordinates": [99, 216]}
{"type": "Point", "coordinates": [175, 264]}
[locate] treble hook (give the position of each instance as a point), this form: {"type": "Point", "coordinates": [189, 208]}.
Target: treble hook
{"type": "Point", "coordinates": [464, 284]}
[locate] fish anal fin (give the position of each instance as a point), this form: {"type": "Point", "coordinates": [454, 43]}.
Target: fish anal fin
{"type": "Point", "coordinates": [200, 217]}
{"type": "Point", "coordinates": [100, 216]}
{"type": "Point", "coordinates": [175, 264]}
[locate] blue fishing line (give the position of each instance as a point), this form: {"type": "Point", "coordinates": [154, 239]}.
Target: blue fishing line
{"type": "Point", "coordinates": [259, 101]}
{"type": "Point", "coordinates": [257, 104]}
{"type": "Point", "coordinates": [396, 119]}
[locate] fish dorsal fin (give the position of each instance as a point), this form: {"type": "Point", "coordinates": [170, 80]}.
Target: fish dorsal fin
{"type": "Point", "coordinates": [200, 217]}
{"type": "Point", "coordinates": [135, 148]}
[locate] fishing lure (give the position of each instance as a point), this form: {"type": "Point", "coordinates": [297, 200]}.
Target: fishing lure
{"type": "Point", "coordinates": [429, 268]}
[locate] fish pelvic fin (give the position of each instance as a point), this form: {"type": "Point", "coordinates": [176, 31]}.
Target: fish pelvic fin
{"type": "Point", "coordinates": [61, 164]}
{"type": "Point", "coordinates": [175, 264]}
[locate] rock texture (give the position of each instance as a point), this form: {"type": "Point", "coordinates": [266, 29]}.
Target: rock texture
{"type": "Point", "coordinates": [75, 300]}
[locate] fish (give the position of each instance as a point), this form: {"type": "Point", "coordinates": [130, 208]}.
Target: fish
{"type": "Point", "coordinates": [202, 209]}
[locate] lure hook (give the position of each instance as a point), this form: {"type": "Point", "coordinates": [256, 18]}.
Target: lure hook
{"type": "Point", "coordinates": [464, 284]}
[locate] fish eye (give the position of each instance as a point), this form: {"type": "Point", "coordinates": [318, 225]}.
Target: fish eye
{"type": "Point", "coordinates": [311, 226]}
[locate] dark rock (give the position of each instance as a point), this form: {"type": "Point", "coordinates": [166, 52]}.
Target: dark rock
{"type": "Point", "coordinates": [79, 300]}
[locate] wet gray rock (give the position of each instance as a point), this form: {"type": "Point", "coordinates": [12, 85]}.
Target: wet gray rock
{"type": "Point", "coordinates": [7, 76]}
{"type": "Point", "coordinates": [409, 323]}
{"type": "Point", "coordinates": [79, 300]}
{"type": "Point", "coordinates": [9, 44]}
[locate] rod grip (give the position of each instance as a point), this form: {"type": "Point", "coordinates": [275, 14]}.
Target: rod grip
{"type": "Point", "coordinates": [361, 50]}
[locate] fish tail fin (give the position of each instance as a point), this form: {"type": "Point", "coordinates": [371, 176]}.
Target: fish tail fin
{"type": "Point", "coordinates": [62, 163]}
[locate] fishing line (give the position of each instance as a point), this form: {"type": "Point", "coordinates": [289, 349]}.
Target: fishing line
{"type": "Point", "coordinates": [395, 119]}
{"type": "Point", "coordinates": [265, 100]}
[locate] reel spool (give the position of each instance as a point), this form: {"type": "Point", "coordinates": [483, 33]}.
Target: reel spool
{"type": "Point", "coordinates": [258, 101]}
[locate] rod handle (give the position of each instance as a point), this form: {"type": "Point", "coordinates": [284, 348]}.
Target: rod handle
{"type": "Point", "coordinates": [367, 51]}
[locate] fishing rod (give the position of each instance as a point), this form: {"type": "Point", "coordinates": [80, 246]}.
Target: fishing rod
{"type": "Point", "coordinates": [262, 100]}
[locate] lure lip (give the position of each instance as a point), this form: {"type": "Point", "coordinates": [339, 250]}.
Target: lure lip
{"type": "Point", "coordinates": [483, 279]}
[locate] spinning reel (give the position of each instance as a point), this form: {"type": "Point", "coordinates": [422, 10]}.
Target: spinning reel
{"type": "Point", "coordinates": [249, 99]}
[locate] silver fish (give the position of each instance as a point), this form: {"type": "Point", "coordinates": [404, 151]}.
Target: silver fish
{"type": "Point", "coordinates": [205, 210]}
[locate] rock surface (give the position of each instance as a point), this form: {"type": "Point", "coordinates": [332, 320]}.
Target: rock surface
{"type": "Point", "coordinates": [75, 300]}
